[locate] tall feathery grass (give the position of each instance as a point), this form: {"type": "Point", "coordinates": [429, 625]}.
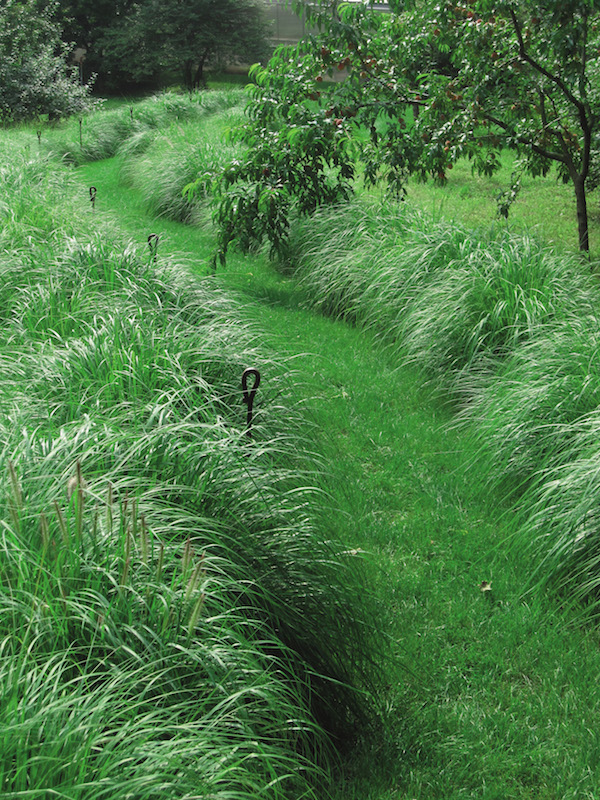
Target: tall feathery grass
{"type": "Point", "coordinates": [172, 621]}
{"type": "Point", "coordinates": [508, 329]}
{"type": "Point", "coordinates": [101, 134]}
{"type": "Point", "coordinates": [454, 301]}
{"type": "Point", "coordinates": [180, 154]}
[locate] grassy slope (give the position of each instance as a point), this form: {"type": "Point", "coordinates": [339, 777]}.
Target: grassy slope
{"type": "Point", "coordinates": [490, 697]}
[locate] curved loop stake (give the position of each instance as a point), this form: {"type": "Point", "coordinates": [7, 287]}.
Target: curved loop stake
{"type": "Point", "coordinates": [249, 395]}
{"type": "Point", "coordinates": [153, 245]}
{"type": "Point", "coordinates": [93, 191]}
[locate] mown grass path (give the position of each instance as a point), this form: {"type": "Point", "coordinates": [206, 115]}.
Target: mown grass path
{"type": "Point", "coordinates": [490, 695]}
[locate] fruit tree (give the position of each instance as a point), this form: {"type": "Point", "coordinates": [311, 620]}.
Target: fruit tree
{"type": "Point", "coordinates": [382, 96]}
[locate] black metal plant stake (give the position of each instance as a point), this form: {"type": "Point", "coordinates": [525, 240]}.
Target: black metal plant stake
{"type": "Point", "coordinates": [249, 395]}
{"type": "Point", "coordinates": [153, 245]}
{"type": "Point", "coordinates": [93, 191]}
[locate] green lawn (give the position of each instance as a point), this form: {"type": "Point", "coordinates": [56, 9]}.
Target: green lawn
{"type": "Point", "coordinates": [545, 206]}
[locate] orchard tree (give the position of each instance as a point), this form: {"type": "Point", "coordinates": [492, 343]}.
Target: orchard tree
{"type": "Point", "coordinates": [35, 78]}
{"type": "Point", "coordinates": [390, 95]}
{"type": "Point", "coordinates": [184, 35]}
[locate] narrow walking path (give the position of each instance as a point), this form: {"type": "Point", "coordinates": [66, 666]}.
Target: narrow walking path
{"type": "Point", "coordinates": [489, 698]}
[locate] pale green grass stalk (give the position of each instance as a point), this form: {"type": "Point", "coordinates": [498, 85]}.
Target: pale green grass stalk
{"type": "Point", "coordinates": [560, 526]}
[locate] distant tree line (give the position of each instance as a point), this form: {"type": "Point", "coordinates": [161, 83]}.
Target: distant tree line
{"type": "Point", "coordinates": [131, 42]}
{"type": "Point", "coordinates": [124, 44]}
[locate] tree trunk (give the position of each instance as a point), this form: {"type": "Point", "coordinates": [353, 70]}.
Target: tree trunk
{"type": "Point", "coordinates": [199, 81]}
{"type": "Point", "coordinates": [582, 215]}
{"type": "Point", "coordinates": [188, 77]}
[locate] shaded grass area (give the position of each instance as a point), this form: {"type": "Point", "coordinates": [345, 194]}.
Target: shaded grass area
{"type": "Point", "coordinates": [491, 694]}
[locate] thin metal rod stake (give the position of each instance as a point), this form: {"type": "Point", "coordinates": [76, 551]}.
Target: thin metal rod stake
{"type": "Point", "coordinates": [249, 395]}
{"type": "Point", "coordinates": [93, 191]}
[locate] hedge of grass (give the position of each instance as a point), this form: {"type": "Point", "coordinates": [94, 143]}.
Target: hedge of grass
{"type": "Point", "coordinates": [172, 621]}
{"type": "Point", "coordinates": [508, 330]}
{"type": "Point", "coordinates": [176, 157]}
{"type": "Point", "coordinates": [100, 134]}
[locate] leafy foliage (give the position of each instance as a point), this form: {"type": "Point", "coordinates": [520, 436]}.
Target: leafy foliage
{"type": "Point", "coordinates": [34, 77]}
{"type": "Point", "coordinates": [389, 95]}
{"type": "Point", "coordinates": [183, 36]}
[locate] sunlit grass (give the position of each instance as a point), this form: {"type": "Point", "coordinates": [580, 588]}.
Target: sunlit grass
{"type": "Point", "coordinates": [172, 617]}
{"type": "Point", "coordinates": [545, 207]}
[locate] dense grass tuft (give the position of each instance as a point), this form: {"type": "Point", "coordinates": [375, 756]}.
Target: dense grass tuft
{"type": "Point", "coordinates": [453, 301]}
{"type": "Point", "coordinates": [101, 134]}
{"type": "Point", "coordinates": [177, 157]}
{"type": "Point", "coordinates": [507, 328]}
{"type": "Point", "coordinates": [171, 618]}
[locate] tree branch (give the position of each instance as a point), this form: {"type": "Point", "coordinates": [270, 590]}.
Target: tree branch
{"type": "Point", "coordinates": [542, 151]}
{"type": "Point", "coordinates": [556, 79]}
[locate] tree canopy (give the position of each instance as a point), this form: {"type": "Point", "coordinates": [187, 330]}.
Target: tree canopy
{"type": "Point", "coordinates": [385, 96]}
{"type": "Point", "coordinates": [137, 41]}
{"type": "Point", "coordinates": [35, 78]}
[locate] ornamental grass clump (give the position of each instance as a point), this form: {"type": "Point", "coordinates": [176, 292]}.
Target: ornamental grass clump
{"type": "Point", "coordinates": [522, 420]}
{"type": "Point", "coordinates": [172, 619]}
{"type": "Point", "coordinates": [176, 157]}
{"type": "Point", "coordinates": [454, 302]}
{"type": "Point", "coordinates": [125, 666]}
{"type": "Point", "coordinates": [560, 524]}
{"type": "Point", "coordinates": [483, 305]}
{"type": "Point", "coordinates": [100, 135]}
{"type": "Point", "coordinates": [366, 261]}
{"type": "Point", "coordinates": [30, 216]}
